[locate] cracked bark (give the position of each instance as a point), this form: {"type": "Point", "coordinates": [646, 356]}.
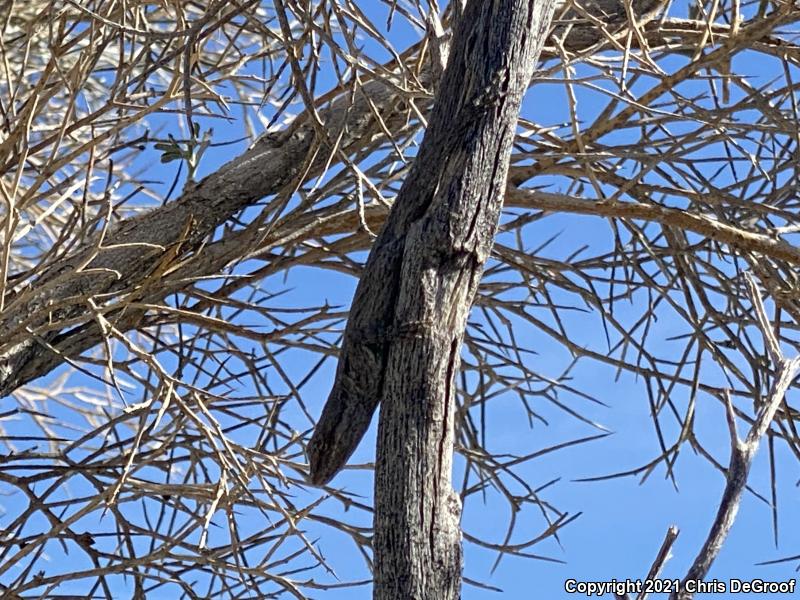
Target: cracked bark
{"type": "Point", "coordinates": [452, 200]}
{"type": "Point", "coordinates": [410, 309]}
{"type": "Point", "coordinates": [361, 369]}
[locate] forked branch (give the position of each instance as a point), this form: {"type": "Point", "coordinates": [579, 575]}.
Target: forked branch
{"type": "Point", "coordinates": [742, 451]}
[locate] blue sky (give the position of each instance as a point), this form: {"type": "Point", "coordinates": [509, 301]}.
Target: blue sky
{"type": "Point", "coordinates": [622, 520]}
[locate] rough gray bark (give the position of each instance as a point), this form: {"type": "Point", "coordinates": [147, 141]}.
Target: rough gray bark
{"type": "Point", "coordinates": [452, 200]}
{"type": "Point", "coordinates": [410, 309]}
{"type": "Point", "coordinates": [361, 369]}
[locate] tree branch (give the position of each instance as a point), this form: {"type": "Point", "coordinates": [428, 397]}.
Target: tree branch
{"type": "Point", "coordinates": [51, 311]}
{"type": "Point", "coordinates": [742, 452]}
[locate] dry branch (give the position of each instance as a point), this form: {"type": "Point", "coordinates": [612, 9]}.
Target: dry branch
{"type": "Point", "coordinates": [127, 257]}
{"type": "Point", "coordinates": [656, 125]}
{"type": "Point", "coordinates": [743, 451]}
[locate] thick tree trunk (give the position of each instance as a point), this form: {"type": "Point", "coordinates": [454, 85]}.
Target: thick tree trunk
{"type": "Point", "coordinates": [450, 206]}
{"type": "Point", "coordinates": [361, 371]}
